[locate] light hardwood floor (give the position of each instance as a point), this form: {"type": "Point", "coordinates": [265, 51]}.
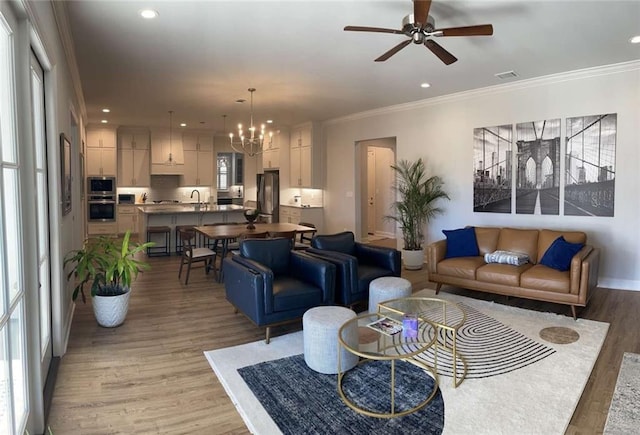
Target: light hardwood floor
{"type": "Point", "coordinates": [149, 376]}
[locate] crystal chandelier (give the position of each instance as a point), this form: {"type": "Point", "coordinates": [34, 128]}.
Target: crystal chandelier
{"type": "Point", "coordinates": [254, 143]}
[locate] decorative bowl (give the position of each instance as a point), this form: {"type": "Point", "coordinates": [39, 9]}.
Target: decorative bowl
{"type": "Point", "coordinates": [251, 215]}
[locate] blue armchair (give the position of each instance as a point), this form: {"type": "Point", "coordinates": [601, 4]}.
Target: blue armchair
{"type": "Point", "coordinates": [357, 264]}
{"type": "Point", "coordinates": [271, 284]}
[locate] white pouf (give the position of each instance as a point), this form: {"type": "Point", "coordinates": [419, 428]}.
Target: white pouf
{"type": "Point", "coordinates": [320, 326]}
{"type": "Point", "coordinates": [386, 288]}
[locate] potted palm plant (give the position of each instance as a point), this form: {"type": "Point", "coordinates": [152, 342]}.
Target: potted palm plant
{"type": "Point", "coordinates": [108, 266]}
{"type": "Point", "coordinates": [416, 195]}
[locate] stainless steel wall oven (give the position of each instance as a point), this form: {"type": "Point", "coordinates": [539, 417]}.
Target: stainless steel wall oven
{"type": "Point", "coordinates": [101, 208]}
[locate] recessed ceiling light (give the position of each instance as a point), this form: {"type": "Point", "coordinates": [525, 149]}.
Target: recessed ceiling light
{"type": "Point", "coordinates": [269, 121]}
{"type": "Point", "coordinates": [105, 110]}
{"type": "Point", "coordinates": [635, 39]}
{"type": "Point", "coordinates": [425, 85]}
{"type": "Point", "coordinates": [148, 14]}
{"type": "Point", "coordinates": [104, 121]}
{"type": "Point", "coordinates": [183, 125]}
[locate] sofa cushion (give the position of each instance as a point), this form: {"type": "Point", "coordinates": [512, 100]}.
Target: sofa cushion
{"type": "Point", "coordinates": [516, 240]}
{"type": "Point", "coordinates": [560, 253]}
{"type": "Point", "coordinates": [544, 278]}
{"type": "Point", "coordinates": [487, 238]}
{"type": "Point", "coordinates": [504, 274]}
{"type": "Point", "coordinates": [547, 237]}
{"type": "Point", "coordinates": [461, 243]}
{"type": "Point", "coordinates": [461, 267]}
{"type": "Point", "coordinates": [506, 257]}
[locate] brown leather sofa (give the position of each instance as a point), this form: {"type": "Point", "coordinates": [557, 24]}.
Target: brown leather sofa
{"type": "Point", "coordinates": [531, 280]}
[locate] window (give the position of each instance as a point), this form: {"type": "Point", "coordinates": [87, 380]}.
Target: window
{"type": "Point", "coordinates": [224, 170]}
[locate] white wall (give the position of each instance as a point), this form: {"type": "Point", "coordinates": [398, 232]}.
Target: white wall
{"type": "Point", "coordinates": [441, 132]}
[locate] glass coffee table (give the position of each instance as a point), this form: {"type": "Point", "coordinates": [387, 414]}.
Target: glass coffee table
{"type": "Point", "coordinates": [445, 316]}
{"type": "Point", "coordinates": [383, 344]}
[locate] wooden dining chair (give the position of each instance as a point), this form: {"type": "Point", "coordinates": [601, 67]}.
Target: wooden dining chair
{"type": "Point", "coordinates": [191, 254]}
{"type": "Point", "coordinates": [305, 238]}
{"type": "Point", "coordinates": [234, 248]}
{"type": "Point", "coordinates": [291, 235]}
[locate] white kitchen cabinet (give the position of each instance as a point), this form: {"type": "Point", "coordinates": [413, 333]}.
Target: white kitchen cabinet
{"type": "Point", "coordinates": [162, 148]}
{"type": "Point", "coordinates": [305, 157]}
{"type": "Point", "coordinates": [295, 215]}
{"type": "Point", "coordinates": [101, 137]}
{"type": "Point", "coordinates": [101, 161]}
{"type": "Point", "coordinates": [101, 152]}
{"type": "Point", "coordinates": [271, 151]}
{"type": "Point", "coordinates": [128, 219]}
{"type": "Point", "coordinates": [102, 229]}
{"type": "Point", "coordinates": [198, 159]}
{"type": "Point", "coordinates": [134, 158]}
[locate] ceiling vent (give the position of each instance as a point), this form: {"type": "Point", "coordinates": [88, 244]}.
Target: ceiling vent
{"type": "Point", "coordinates": [506, 75]}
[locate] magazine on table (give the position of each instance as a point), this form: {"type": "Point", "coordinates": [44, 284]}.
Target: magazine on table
{"type": "Point", "coordinates": [386, 325]}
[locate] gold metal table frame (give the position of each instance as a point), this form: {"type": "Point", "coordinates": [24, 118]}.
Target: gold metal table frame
{"type": "Point", "coordinates": [387, 348]}
{"type": "Point", "coordinates": [443, 315]}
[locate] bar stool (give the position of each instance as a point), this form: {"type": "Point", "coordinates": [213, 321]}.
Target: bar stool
{"type": "Point", "coordinates": [178, 229]}
{"type": "Point", "coordinates": [159, 250]}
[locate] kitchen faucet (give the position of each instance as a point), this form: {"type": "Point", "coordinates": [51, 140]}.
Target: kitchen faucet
{"type": "Point", "coordinates": [196, 191]}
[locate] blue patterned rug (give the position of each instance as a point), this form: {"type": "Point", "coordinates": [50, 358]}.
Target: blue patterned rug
{"type": "Point", "coordinates": [302, 401]}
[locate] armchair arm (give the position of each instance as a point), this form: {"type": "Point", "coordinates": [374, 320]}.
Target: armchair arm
{"type": "Point", "coordinates": [313, 270]}
{"type": "Point", "coordinates": [589, 274]}
{"type": "Point", "coordinates": [245, 289]}
{"type": "Point", "coordinates": [435, 254]}
{"type": "Point", "coordinates": [346, 271]}
{"type": "Point", "coordinates": [387, 258]}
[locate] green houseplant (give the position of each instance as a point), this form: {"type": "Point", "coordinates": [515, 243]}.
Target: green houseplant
{"type": "Point", "coordinates": [108, 266]}
{"type": "Point", "coordinates": [417, 195]}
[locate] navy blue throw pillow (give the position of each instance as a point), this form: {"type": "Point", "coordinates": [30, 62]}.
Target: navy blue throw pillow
{"type": "Point", "coordinates": [560, 253]}
{"type": "Point", "coordinates": [461, 243]}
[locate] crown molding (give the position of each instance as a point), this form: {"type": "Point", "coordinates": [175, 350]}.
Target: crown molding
{"type": "Point", "coordinates": [64, 30]}
{"type": "Point", "coordinates": [497, 89]}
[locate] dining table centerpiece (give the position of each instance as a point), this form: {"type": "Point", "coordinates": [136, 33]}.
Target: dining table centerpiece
{"type": "Point", "coordinates": [251, 215]}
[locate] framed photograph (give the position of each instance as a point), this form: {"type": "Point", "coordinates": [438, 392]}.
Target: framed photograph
{"type": "Point", "coordinates": [65, 173]}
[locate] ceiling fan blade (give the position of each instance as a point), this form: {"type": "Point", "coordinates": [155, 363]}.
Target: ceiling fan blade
{"type": "Point", "coordinates": [483, 29]}
{"type": "Point", "coordinates": [421, 11]}
{"type": "Point", "coordinates": [393, 51]}
{"type": "Point", "coordinates": [439, 51]}
{"type": "Point", "coordinates": [372, 29]}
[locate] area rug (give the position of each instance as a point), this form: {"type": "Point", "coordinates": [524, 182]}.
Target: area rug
{"type": "Point", "coordinates": [518, 382]}
{"type": "Point", "coordinates": [624, 413]}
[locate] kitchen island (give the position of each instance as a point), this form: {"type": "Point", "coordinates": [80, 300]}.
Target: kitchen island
{"type": "Point", "coordinates": [186, 214]}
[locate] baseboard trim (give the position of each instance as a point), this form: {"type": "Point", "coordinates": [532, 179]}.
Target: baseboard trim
{"type": "Point", "coordinates": [619, 284]}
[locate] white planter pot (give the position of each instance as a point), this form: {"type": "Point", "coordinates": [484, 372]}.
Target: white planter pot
{"type": "Point", "coordinates": [413, 260]}
{"type": "Point", "coordinates": [110, 311]}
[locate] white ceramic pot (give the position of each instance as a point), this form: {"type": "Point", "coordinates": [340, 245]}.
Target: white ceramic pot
{"type": "Point", "coordinates": [110, 311]}
{"type": "Point", "coordinates": [413, 260]}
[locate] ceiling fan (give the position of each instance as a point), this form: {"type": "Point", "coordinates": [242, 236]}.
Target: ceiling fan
{"type": "Point", "coordinates": [420, 28]}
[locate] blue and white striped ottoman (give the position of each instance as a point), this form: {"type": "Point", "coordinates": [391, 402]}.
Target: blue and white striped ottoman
{"type": "Point", "coordinates": [320, 326]}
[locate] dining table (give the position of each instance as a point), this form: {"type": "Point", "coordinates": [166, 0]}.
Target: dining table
{"type": "Point", "coordinates": [224, 233]}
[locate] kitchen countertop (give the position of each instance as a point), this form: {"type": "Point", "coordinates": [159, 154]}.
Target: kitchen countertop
{"type": "Point", "coordinates": [188, 208]}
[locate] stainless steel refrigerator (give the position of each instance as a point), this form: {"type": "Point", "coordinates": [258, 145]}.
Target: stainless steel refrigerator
{"type": "Point", "coordinates": [269, 196]}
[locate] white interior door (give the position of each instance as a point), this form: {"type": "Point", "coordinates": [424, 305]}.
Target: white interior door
{"type": "Point", "coordinates": [42, 207]}
{"type": "Point", "coordinates": [371, 192]}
